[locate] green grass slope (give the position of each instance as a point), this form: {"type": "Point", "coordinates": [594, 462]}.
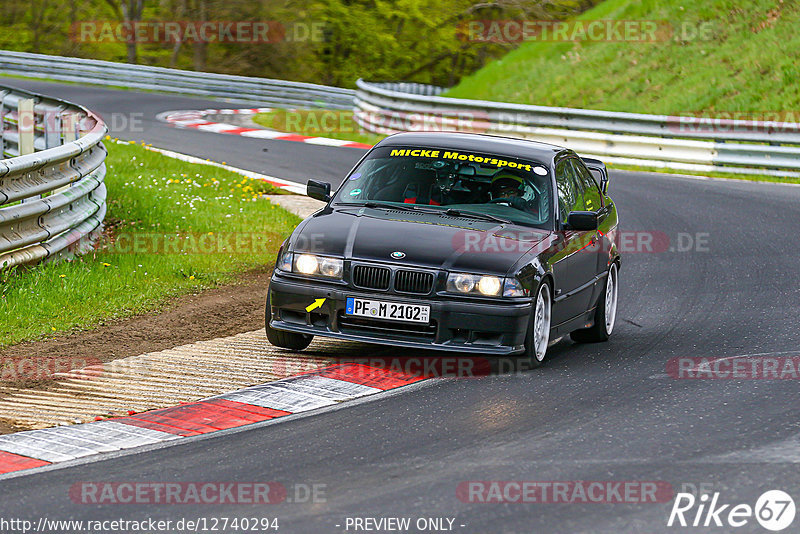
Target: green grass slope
{"type": "Point", "coordinates": [750, 63]}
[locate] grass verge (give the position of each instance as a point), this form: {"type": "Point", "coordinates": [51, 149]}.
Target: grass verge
{"type": "Point", "coordinates": [335, 124]}
{"type": "Point", "coordinates": [720, 56]}
{"type": "Point", "coordinates": [172, 228]}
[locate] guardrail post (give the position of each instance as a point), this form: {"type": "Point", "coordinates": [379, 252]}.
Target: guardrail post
{"type": "Point", "coordinates": [69, 127]}
{"type": "Point", "coordinates": [3, 123]}
{"type": "Point", "coordinates": [26, 127]}
{"type": "Point", "coordinates": [26, 124]}
{"type": "Point", "coordinates": [52, 129]}
{"type": "Point", "coordinates": [69, 133]}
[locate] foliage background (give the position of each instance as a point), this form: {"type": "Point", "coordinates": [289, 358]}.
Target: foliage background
{"type": "Point", "coordinates": [409, 40]}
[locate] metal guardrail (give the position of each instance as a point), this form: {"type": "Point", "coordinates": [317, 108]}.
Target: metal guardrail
{"type": "Point", "coordinates": [685, 143]}
{"type": "Point", "coordinates": [52, 195]}
{"type": "Point", "coordinates": [242, 89]}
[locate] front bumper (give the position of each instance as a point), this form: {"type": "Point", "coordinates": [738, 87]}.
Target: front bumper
{"type": "Point", "coordinates": [455, 325]}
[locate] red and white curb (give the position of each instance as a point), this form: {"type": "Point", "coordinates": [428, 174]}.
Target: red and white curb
{"type": "Point", "coordinates": [196, 120]}
{"type": "Point", "coordinates": [320, 388]}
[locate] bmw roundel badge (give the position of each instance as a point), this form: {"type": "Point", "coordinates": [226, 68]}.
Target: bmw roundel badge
{"type": "Point", "coordinates": [398, 255]}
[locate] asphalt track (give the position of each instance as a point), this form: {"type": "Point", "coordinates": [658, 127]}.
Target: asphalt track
{"type": "Point", "coordinates": [133, 118]}
{"type": "Point", "coordinates": [595, 413]}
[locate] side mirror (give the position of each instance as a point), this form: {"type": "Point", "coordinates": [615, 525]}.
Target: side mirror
{"type": "Point", "coordinates": [582, 221]}
{"type": "Point", "coordinates": [319, 190]}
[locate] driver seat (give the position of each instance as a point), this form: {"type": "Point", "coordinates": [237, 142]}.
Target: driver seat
{"type": "Point", "coordinates": [421, 190]}
{"type": "Point", "coordinates": [418, 194]}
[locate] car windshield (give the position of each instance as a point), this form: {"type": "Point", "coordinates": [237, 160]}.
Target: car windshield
{"type": "Point", "coordinates": [466, 183]}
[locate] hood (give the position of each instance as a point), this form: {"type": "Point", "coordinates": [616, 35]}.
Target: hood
{"type": "Point", "coordinates": [427, 240]}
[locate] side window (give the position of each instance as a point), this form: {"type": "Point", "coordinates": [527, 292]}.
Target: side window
{"type": "Point", "coordinates": [591, 192]}
{"type": "Point", "coordinates": [570, 196]}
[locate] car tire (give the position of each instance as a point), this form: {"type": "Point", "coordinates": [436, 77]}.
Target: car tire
{"type": "Point", "coordinates": [538, 337]}
{"type": "Point", "coordinates": [605, 315]}
{"type": "Point", "coordinates": [285, 340]}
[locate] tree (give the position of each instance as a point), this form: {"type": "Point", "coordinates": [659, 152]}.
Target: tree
{"type": "Point", "coordinates": [130, 13]}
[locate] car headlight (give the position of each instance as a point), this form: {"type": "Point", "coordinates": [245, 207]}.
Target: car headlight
{"type": "Point", "coordinates": [465, 283]}
{"type": "Point", "coordinates": [312, 265]}
{"type": "Point", "coordinates": [306, 264]}
{"type": "Point", "coordinates": [489, 285]}
{"type": "Point", "coordinates": [485, 285]}
{"type": "Point", "coordinates": [331, 267]}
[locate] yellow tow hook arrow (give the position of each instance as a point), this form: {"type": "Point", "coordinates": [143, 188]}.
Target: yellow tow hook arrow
{"type": "Point", "coordinates": [317, 304]}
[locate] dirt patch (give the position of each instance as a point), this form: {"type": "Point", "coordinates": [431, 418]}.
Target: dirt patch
{"type": "Point", "coordinates": [212, 313]}
{"type": "Point", "coordinates": [7, 426]}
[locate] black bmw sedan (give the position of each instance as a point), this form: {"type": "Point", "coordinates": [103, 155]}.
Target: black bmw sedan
{"type": "Point", "coordinates": [456, 242]}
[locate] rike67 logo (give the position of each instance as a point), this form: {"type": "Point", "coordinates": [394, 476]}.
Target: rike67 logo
{"type": "Point", "coordinates": [774, 510]}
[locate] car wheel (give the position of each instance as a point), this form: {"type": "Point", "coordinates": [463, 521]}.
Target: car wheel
{"type": "Point", "coordinates": [285, 340]}
{"type": "Point", "coordinates": [605, 315]}
{"type": "Point", "coordinates": [539, 331]}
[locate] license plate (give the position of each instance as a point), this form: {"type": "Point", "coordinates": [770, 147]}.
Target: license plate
{"type": "Point", "coordinates": [389, 311]}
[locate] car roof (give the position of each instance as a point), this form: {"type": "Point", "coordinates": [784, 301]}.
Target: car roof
{"type": "Point", "coordinates": [492, 144]}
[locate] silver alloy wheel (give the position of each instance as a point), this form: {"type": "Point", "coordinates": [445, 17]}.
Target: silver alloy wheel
{"type": "Point", "coordinates": [612, 288]}
{"type": "Point", "coordinates": [541, 322]}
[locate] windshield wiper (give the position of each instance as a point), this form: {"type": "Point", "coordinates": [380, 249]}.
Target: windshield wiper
{"type": "Point", "coordinates": [385, 206]}
{"type": "Point", "coordinates": [451, 212]}
{"type": "Point", "coordinates": [381, 205]}
{"type": "Point", "coordinates": [475, 215]}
